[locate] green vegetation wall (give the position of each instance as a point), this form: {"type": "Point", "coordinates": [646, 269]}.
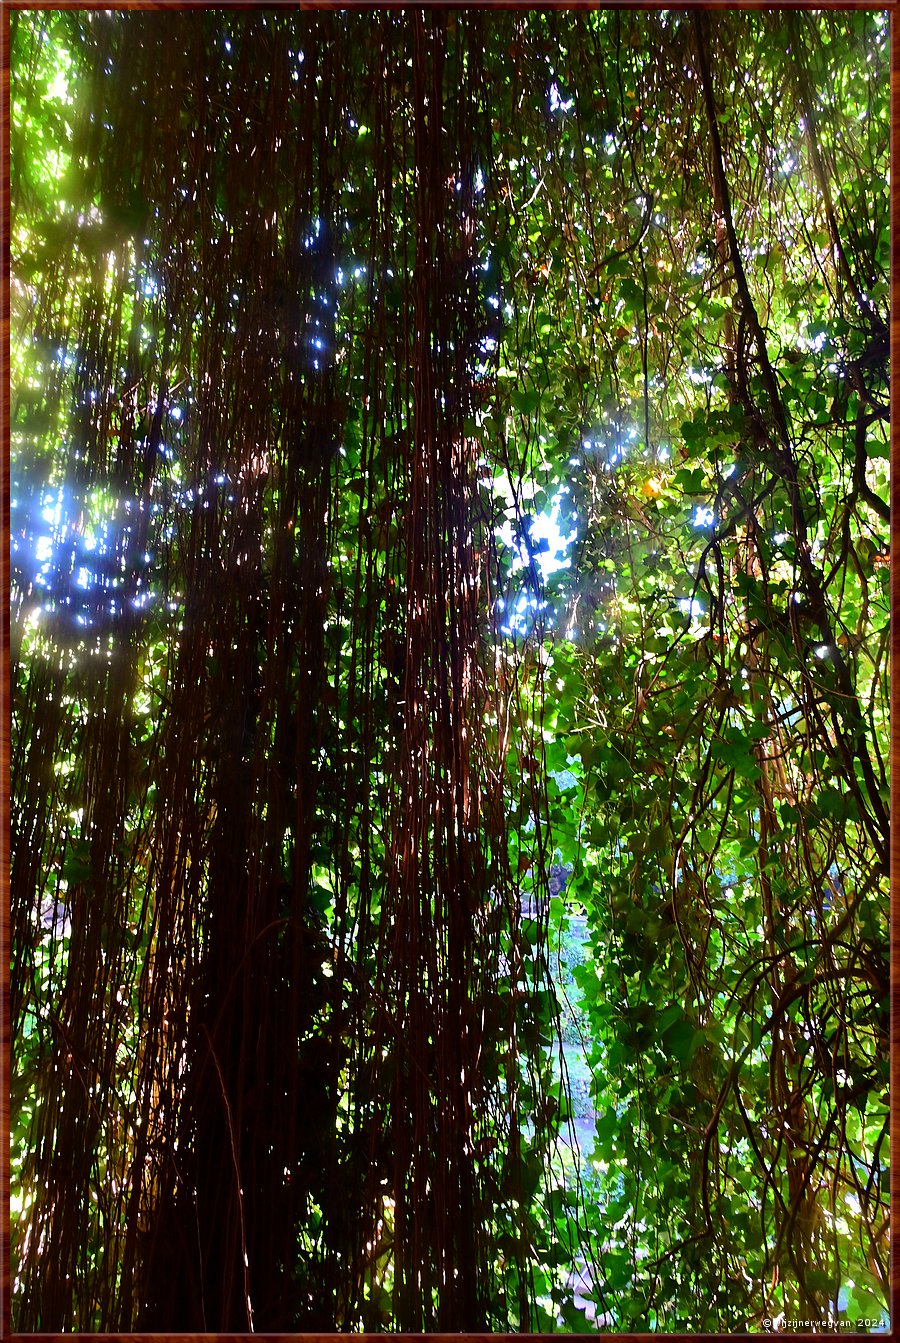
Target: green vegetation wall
{"type": "Point", "coordinates": [448, 448]}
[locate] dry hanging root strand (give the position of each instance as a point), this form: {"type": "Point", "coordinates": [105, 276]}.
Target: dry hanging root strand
{"type": "Point", "coordinates": [255, 1108]}
{"type": "Point", "coordinates": [436, 982]}
{"type": "Point", "coordinates": [435, 865]}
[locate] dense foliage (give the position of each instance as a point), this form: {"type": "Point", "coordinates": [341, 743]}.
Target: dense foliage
{"type": "Point", "coordinates": [329, 328]}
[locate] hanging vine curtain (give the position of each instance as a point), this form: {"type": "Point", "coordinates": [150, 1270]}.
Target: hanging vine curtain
{"type": "Point", "coordinates": [318, 318]}
{"type": "Point", "coordinates": [276, 693]}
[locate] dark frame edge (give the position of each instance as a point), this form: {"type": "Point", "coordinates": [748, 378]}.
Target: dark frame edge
{"type": "Point", "coordinates": [5, 697]}
{"type": "Point", "coordinates": [895, 674]}
{"type": "Point", "coordinates": [879, 5]}
{"type": "Point", "coordinates": [891, 6]}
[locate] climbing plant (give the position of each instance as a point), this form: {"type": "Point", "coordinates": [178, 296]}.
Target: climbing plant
{"type": "Point", "coordinates": [449, 478]}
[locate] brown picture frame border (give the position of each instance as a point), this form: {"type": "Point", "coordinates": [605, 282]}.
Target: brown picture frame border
{"type": "Point", "coordinates": [892, 7]}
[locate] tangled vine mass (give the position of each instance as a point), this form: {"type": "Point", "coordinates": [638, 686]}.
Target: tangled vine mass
{"type": "Point", "coordinates": [449, 623]}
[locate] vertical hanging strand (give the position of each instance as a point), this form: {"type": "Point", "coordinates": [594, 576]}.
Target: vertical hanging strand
{"type": "Point", "coordinates": [460, 870]}
{"type": "Point", "coordinates": [435, 869]}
